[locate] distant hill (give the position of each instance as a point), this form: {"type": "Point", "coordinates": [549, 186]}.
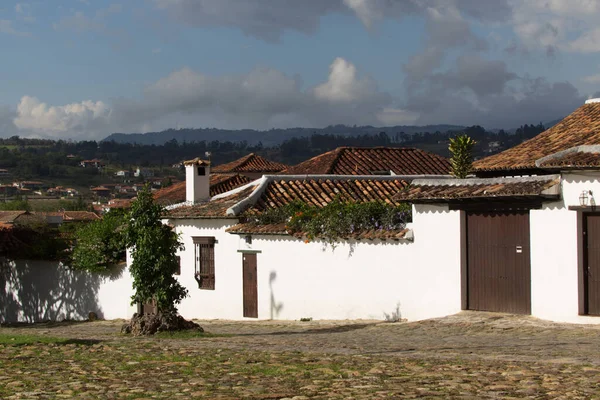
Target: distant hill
{"type": "Point", "coordinates": [270, 137]}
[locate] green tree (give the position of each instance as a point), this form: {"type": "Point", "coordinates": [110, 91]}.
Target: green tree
{"type": "Point", "coordinates": [153, 251]}
{"type": "Point", "coordinates": [461, 148]}
{"type": "Point", "coordinates": [100, 244]}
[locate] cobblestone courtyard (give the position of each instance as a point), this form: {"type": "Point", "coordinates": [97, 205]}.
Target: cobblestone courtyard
{"type": "Point", "coordinates": [469, 355]}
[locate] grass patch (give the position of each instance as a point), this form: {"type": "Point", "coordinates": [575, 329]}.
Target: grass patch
{"type": "Point", "coordinates": [24, 340]}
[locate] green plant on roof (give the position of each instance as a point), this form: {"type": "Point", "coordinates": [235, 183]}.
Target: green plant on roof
{"type": "Point", "coordinates": [335, 221]}
{"type": "Point", "coordinates": [461, 161]}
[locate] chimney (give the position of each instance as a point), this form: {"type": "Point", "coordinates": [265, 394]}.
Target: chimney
{"type": "Point", "coordinates": [197, 180]}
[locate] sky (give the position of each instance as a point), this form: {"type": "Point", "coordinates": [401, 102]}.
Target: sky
{"type": "Point", "coordinates": [83, 69]}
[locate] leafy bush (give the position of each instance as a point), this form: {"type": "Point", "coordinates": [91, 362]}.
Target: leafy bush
{"type": "Point", "coordinates": [335, 221]}
{"type": "Point", "coordinates": [100, 244]}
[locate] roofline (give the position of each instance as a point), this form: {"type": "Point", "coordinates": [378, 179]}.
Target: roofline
{"type": "Point", "coordinates": [264, 182]}
{"type": "Point", "coordinates": [482, 181]}
{"type": "Point", "coordinates": [572, 150]}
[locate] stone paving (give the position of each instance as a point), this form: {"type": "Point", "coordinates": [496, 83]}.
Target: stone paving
{"type": "Point", "coordinates": [468, 355]}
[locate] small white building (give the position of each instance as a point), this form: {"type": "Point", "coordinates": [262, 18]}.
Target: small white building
{"type": "Point", "coordinates": [144, 172]}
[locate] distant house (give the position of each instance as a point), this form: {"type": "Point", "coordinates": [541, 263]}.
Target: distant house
{"type": "Point", "coordinates": [123, 174]}
{"type": "Point", "coordinates": [31, 185]}
{"type": "Point", "coordinates": [101, 191]}
{"type": "Point", "coordinates": [143, 172]}
{"type": "Point", "coordinates": [253, 166]}
{"type": "Point", "coordinates": [4, 172]}
{"type": "Point", "coordinates": [95, 163]}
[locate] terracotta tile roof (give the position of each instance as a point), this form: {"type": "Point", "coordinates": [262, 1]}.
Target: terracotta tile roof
{"type": "Point", "coordinates": [574, 158]}
{"type": "Point", "coordinates": [250, 163]}
{"type": "Point", "coordinates": [370, 161]}
{"type": "Point", "coordinates": [430, 190]}
{"type": "Point", "coordinates": [79, 216]}
{"type": "Point", "coordinates": [10, 216]}
{"type": "Point", "coordinates": [280, 229]}
{"type": "Point", "coordinates": [210, 209]}
{"type": "Point", "coordinates": [276, 191]}
{"type": "Point", "coordinates": [582, 127]}
{"type": "Point", "coordinates": [320, 191]}
{"type": "Point", "coordinates": [219, 183]}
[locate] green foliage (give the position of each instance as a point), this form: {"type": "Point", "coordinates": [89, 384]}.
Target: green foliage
{"type": "Point", "coordinates": [337, 220]}
{"type": "Point", "coordinates": [153, 250]}
{"type": "Point", "coordinates": [37, 241]}
{"type": "Point", "coordinates": [461, 148]}
{"type": "Point", "coordinates": [100, 244]}
{"type": "Point", "coordinates": [19, 204]}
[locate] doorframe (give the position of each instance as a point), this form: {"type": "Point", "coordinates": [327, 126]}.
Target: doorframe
{"type": "Point", "coordinates": [582, 260]}
{"type": "Point", "coordinates": [464, 249]}
{"type": "Point", "coordinates": [255, 254]}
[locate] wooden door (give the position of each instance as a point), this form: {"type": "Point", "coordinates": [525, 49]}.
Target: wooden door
{"type": "Point", "coordinates": [250, 285]}
{"type": "Point", "coordinates": [591, 273]}
{"type": "Point", "coordinates": [498, 262]}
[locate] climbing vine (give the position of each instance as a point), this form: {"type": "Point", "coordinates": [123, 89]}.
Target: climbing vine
{"type": "Point", "coordinates": [336, 221]}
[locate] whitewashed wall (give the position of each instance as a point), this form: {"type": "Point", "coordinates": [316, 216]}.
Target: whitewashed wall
{"type": "Point", "coordinates": [355, 280]}
{"type": "Point", "coordinates": [554, 252]}
{"type": "Point", "coordinates": [225, 301]}
{"type": "Point", "coordinates": [35, 291]}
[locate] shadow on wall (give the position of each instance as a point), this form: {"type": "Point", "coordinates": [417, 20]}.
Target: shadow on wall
{"type": "Point", "coordinates": [35, 291]}
{"type": "Point", "coordinates": [275, 307]}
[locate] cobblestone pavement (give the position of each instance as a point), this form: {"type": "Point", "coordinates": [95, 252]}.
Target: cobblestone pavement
{"type": "Point", "coordinates": [468, 355]}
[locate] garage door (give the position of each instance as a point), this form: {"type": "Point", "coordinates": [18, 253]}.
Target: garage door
{"type": "Point", "coordinates": [498, 262]}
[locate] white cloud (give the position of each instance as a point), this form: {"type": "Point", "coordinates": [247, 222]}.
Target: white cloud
{"type": "Point", "coordinates": [558, 24]}
{"type": "Point", "coordinates": [262, 98]}
{"type": "Point", "coordinates": [84, 118]}
{"type": "Point", "coordinates": [343, 84]}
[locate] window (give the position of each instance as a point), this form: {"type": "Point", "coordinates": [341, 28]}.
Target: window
{"type": "Point", "coordinates": [204, 259]}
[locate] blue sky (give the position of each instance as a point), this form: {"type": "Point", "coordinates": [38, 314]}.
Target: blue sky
{"type": "Point", "coordinates": [83, 69]}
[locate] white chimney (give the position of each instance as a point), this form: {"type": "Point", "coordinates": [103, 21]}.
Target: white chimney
{"type": "Point", "coordinates": [197, 180]}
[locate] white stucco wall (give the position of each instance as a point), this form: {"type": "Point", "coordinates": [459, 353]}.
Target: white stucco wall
{"type": "Point", "coordinates": [356, 280]}
{"type": "Point", "coordinates": [222, 302]}
{"type": "Point", "coordinates": [554, 252]}
{"type": "Point", "coordinates": [36, 291]}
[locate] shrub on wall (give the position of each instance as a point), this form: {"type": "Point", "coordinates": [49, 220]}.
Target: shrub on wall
{"type": "Point", "coordinates": [337, 220]}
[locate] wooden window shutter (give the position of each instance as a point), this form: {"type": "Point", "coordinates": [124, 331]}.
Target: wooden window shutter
{"type": "Point", "coordinates": [204, 260]}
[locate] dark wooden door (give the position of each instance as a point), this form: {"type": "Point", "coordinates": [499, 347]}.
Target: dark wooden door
{"type": "Point", "coordinates": [250, 285]}
{"type": "Point", "coordinates": [591, 273]}
{"type": "Point", "coordinates": [498, 262]}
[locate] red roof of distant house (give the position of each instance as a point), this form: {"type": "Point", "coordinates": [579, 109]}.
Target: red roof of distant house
{"type": "Point", "coordinates": [250, 163]}
{"type": "Point", "coordinates": [219, 183]}
{"type": "Point", "coordinates": [373, 161]}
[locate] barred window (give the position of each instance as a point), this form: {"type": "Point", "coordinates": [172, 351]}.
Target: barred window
{"type": "Point", "coordinates": [204, 257]}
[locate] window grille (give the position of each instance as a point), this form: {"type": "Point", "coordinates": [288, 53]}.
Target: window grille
{"type": "Point", "coordinates": [204, 260]}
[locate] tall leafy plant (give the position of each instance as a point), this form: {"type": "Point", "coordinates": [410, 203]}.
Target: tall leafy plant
{"type": "Point", "coordinates": [100, 244]}
{"type": "Point", "coordinates": [461, 148]}
{"type": "Point", "coordinates": [153, 251]}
